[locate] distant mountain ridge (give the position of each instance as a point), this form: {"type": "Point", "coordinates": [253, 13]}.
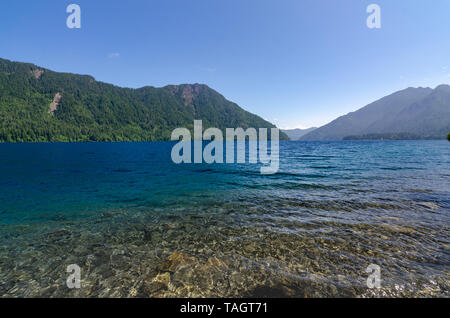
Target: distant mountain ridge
{"type": "Point", "coordinates": [420, 112]}
{"type": "Point", "coordinates": [296, 134]}
{"type": "Point", "coordinates": [39, 105]}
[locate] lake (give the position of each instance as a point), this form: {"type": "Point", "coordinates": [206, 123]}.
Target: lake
{"type": "Point", "coordinates": [139, 225]}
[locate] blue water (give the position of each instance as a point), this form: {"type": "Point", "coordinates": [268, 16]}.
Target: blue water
{"type": "Point", "coordinates": [373, 200]}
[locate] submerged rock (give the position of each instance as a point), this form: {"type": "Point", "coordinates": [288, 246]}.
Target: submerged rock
{"type": "Point", "coordinates": [147, 235]}
{"type": "Point", "coordinates": [58, 234]}
{"type": "Point", "coordinates": [175, 261]}
{"type": "Point", "coordinates": [156, 286]}
{"type": "Point", "coordinates": [398, 228]}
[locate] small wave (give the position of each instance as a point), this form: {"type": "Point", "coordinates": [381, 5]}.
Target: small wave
{"type": "Point", "coordinates": [122, 170]}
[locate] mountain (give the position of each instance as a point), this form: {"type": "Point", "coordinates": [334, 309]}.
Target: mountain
{"type": "Point", "coordinates": [296, 134]}
{"type": "Point", "coordinates": [420, 113]}
{"type": "Point", "coordinates": [37, 104]}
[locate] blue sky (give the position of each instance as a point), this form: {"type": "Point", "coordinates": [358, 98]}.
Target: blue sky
{"type": "Point", "coordinates": [295, 63]}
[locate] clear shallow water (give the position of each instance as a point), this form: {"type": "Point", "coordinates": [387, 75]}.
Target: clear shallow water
{"type": "Point", "coordinates": [140, 226]}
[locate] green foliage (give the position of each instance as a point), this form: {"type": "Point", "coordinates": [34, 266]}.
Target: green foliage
{"type": "Point", "coordinates": [448, 136]}
{"type": "Point", "coordinates": [96, 111]}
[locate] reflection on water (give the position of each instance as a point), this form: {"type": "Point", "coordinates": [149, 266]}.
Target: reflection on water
{"type": "Point", "coordinates": [140, 226]}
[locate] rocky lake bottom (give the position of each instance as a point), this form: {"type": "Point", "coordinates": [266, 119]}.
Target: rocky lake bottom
{"type": "Point", "coordinates": [302, 234]}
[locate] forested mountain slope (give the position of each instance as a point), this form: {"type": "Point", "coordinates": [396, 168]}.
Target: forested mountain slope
{"type": "Point", "coordinates": [37, 104]}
